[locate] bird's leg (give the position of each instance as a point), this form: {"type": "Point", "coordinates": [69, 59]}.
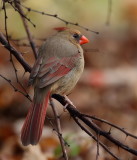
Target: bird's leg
{"type": "Point", "coordinates": [68, 102]}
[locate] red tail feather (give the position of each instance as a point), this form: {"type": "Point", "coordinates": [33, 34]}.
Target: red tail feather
{"type": "Point", "coordinates": [32, 128]}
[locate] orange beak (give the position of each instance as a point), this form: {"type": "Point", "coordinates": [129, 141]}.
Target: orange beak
{"type": "Point", "coordinates": [83, 40]}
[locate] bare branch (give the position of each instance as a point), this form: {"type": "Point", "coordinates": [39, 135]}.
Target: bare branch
{"type": "Point", "coordinates": [16, 89]}
{"type": "Point", "coordinates": [11, 58]}
{"type": "Point", "coordinates": [11, 4]}
{"type": "Point", "coordinates": [16, 53]}
{"type": "Point", "coordinates": [32, 44]}
{"type": "Point", "coordinates": [75, 113]}
{"type": "Point", "coordinates": [97, 155]}
{"type": "Point", "coordinates": [95, 138]}
{"type": "Point", "coordinates": [58, 125]}
{"type": "Point", "coordinates": [111, 124]}
{"type": "Point", "coordinates": [5, 15]}
{"type": "Point", "coordinates": [57, 17]}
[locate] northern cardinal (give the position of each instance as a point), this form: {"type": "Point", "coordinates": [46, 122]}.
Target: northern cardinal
{"type": "Point", "coordinates": [57, 69]}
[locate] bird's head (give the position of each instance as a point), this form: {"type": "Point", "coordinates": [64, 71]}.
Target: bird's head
{"type": "Point", "coordinates": [73, 35]}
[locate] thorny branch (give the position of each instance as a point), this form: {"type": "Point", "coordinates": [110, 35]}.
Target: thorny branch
{"type": "Point", "coordinates": [112, 125]}
{"type": "Point", "coordinates": [75, 114]}
{"type": "Point", "coordinates": [50, 15]}
{"type": "Point", "coordinates": [11, 56]}
{"type": "Point", "coordinates": [51, 121]}
{"type": "Point", "coordinates": [16, 89]}
{"type": "Point", "coordinates": [95, 138]}
{"type": "Point", "coordinates": [16, 53]}
{"type": "Point", "coordinates": [32, 44]}
{"type": "Point", "coordinates": [11, 4]}
{"type": "Point", "coordinates": [89, 126]}
{"type": "Point", "coordinates": [59, 131]}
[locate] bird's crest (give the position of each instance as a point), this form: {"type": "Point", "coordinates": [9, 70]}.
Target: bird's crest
{"type": "Point", "coordinates": [60, 29]}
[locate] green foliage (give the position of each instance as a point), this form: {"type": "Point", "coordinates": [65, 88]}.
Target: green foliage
{"type": "Point", "coordinates": [58, 151]}
{"type": "Point", "coordinates": [73, 150]}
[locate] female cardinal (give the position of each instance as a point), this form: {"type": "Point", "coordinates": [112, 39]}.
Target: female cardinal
{"type": "Point", "coordinates": [57, 69]}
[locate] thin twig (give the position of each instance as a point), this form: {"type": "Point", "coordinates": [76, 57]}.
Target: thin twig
{"type": "Point", "coordinates": [57, 17]}
{"type": "Point", "coordinates": [107, 135]}
{"type": "Point", "coordinates": [54, 129]}
{"type": "Point", "coordinates": [5, 21]}
{"type": "Point", "coordinates": [91, 135]}
{"type": "Point", "coordinates": [11, 4]}
{"type": "Point", "coordinates": [11, 58]}
{"type": "Point", "coordinates": [16, 89]}
{"type": "Point", "coordinates": [32, 44]}
{"type": "Point", "coordinates": [111, 124]}
{"type": "Point", "coordinates": [59, 131]}
{"type": "Point", "coordinates": [97, 155]}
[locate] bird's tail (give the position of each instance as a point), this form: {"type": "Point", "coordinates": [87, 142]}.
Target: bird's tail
{"type": "Point", "coordinates": [33, 125]}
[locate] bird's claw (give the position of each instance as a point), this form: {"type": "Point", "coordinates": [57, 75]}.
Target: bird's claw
{"type": "Point", "coordinates": [68, 102]}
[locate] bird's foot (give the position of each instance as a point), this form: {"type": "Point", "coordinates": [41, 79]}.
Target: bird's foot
{"type": "Point", "coordinates": [68, 102]}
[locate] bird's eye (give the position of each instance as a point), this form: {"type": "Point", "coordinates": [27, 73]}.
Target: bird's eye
{"type": "Point", "coordinates": [76, 36]}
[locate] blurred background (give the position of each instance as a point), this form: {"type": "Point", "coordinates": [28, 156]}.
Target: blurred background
{"type": "Point", "coordinates": [107, 88]}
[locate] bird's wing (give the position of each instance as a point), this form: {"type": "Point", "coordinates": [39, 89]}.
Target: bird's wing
{"type": "Point", "coordinates": [54, 69]}
{"type": "Point", "coordinates": [35, 71]}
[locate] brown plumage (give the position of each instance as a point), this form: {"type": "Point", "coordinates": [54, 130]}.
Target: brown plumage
{"type": "Point", "coordinates": [57, 69]}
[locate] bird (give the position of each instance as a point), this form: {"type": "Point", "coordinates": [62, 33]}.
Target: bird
{"type": "Point", "coordinates": [57, 69]}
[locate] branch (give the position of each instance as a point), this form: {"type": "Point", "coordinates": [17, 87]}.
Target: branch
{"type": "Point", "coordinates": [111, 124]}
{"type": "Point", "coordinates": [91, 135]}
{"type": "Point", "coordinates": [76, 114]}
{"type": "Point", "coordinates": [16, 53]}
{"type": "Point", "coordinates": [11, 3]}
{"type": "Point", "coordinates": [16, 89]}
{"type": "Point", "coordinates": [11, 60]}
{"type": "Point", "coordinates": [73, 112]}
{"type": "Point", "coordinates": [57, 17]}
{"type": "Point", "coordinates": [32, 44]}
{"type": "Point", "coordinates": [57, 120]}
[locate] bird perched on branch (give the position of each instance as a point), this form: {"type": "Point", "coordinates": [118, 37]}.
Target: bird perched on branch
{"type": "Point", "coordinates": [57, 69]}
